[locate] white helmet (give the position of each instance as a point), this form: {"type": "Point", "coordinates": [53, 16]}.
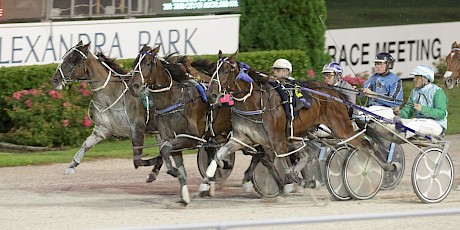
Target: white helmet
{"type": "Point", "coordinates": [424, 71]}
{"type": "Point", "coordinates": [283, 64]}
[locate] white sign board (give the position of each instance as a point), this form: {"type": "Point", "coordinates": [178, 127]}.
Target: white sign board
{"type": "Point", "coordinates": [410, 45]}
{"type": "Point", "coordinates": [47, 42]}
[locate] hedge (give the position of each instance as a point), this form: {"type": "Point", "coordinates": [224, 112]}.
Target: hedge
{"type": "Point", "coordinates": [35, 114]}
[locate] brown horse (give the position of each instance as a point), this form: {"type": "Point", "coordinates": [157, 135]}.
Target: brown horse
{"type": "Point", "coordinates": [114, 111]}
{"type": "Point", "coordinates": [181, 111]}
{"type": "Point", "coordinates": [258, 116]}
{"type": "Point", "coordinates": [452, 74]}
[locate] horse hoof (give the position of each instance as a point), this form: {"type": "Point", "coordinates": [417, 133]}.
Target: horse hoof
{"type": "Point", "coordinates": [150, 178]}
{"type": "Point", "coordinates": [69, 171]}
{"type": "Point", "coordinates": [248, 186]}
{"type": "Point", "coordinates": [185, 195]}
{"type": "Point", "coordinates": [173, 172]}
{"type": "Point", "coordinates": [204, 187]}
{"type": "Point", "coordinates": [288, 188]}
{"type": "Point", "coordinates": [137, 163]}
{"type": "Point", "coordinates": [204, 194]}
{"type": "Point", "coordinates": [316, 184]}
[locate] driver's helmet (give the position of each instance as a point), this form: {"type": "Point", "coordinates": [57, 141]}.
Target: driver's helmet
{"type": "Point", "coordinates": [424, 71]}
{"type": "Point", "coordinates": [333, 67]}
{"type": "Point", "coordinates": [283, 64]}
{"type": "Point", "coordinates": [385, 57]}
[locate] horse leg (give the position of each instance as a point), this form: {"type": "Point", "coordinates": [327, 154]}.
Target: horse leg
{"type": "Point", "coordinates": [247, 185]}
{"type": "Point", "coordinates": [223, 152]}
{"type": "Point", "coordinates": [99, 133]}
{"type": "Point", "coordinates": [165, 151]}
{"type": "Point", "coordinates": [182, 176]}
{"type": "Point", "coordinates": [157, 162]}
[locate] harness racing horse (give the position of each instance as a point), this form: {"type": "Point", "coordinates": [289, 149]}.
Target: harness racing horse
{"type": "Point", "coordinates": [181, 111]}
{"type": "Point", "coordinates": [452, 74]}
{"type": "Point", "coordinates": [258, 116]}
{"type": "Point", "coordinates": [114, 111]}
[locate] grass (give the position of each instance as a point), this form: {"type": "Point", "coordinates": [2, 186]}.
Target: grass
{"type": "Point", "coordinates": [106, 149]}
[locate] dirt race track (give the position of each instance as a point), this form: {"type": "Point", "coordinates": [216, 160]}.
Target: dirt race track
{"type": "Point", "coordinates": [108, 194]}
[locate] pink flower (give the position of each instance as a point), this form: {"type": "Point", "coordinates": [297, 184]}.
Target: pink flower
{"type": "Point", "coordinates": [17, 95]}
{"type": "Point", "coordinates": [84, 92]}
{"type": "Point", "coordinates": [28, 103]}
{"type": "Point", "coordinates": [55, 94]}
{"type": "Point", "coordinates": [86, 122]}
{"type": "Point", "coordinates": [354, 80]}
{"type": "Point", "coordinates": [66, 104]}
{"type": "Point", "coordinates": [311, 73]}
{"type": "Point", "coordinates": [83, 85]}
{"type": "Point", "coordinates": [65, 123]}
{"type": "Point", "coordinates": [35, 92]}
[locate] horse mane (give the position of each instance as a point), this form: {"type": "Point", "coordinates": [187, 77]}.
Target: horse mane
{"type": "Point", "coordinates": [111, 62]}
{"type": "Point", "coordinates": [259, 76]}
{"type": "Point", "coordinates": [177, 73]}
{"type": "Point", "coordinates": [204, 66]}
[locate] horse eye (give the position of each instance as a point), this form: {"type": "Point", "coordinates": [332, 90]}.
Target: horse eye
{"type": "Point", "coordinates": [226, 71]}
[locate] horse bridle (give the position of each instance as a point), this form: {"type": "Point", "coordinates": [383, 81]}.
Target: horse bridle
{"type": "Point", "coordinates": [68, 79]}
{"type": "Point", "coordinates": [215, 76]}
{"type": "Point", "coordinates": [138, 69]}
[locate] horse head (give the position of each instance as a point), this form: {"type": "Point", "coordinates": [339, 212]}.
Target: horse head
{"type": "Point", "coordinates": [452, 74]}
{"type": "Point", "coordinates": [72, 66]}
{"type": "Point", "coordinates": [223, 80]}
{"type": "Point", "coordinates": [148, 70]}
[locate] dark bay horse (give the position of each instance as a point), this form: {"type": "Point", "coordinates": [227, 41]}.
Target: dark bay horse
{"type": "Point", "coordinates": [258, 116]}
{"type": "Point", "coordinates": [452, 74]}
{"type": "Point", "coordinates": [114, 111]}
{"type": "Point", "coordinates": [181, 111]}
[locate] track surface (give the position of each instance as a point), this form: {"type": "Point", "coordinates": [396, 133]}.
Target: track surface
{"type": "Point", "coordinates": [110, 193]}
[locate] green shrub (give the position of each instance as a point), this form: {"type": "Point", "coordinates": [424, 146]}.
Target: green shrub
{"type": "Point", "coordinates": [45, 117]}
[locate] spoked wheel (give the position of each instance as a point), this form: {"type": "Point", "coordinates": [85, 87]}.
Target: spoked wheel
{"type": "Point", "coordinates": [362, 175]}
{"type": "Point", "coordinates": [392, 178]}
{"type": "Point", "coordinates": [333, 172]}
{"type": "Point", "coordinates": [432, 177]}
{"type": "Point", "coordinates": [264, 183]}
{"type": "Point", "coordinates": [203, 160]}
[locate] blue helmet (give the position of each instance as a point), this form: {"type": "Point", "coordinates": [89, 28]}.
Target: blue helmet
{"type": "Point", "coordinates": [333, 67]}
{"type": "Point", "coordinates": [425, 71]}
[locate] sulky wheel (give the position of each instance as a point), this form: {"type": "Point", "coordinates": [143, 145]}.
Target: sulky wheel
{"type": "Point", "coordinates": [432, 175]}
{"type": "Point", "coordinates": [333, 173]}
{"type": "Point", "coordinates": [392, 178]}
{"type": "Point", "coordinates": [362, 175]}
{"type": "Point", "coordinates": [203, 160]}
{"type": "Point", "coordinates": [264, 183]}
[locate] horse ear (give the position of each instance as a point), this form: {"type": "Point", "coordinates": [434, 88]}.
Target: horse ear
{"type": "Point", "coordinates": [156, 49]}
{"type": "Point", "coordinates": [454, 44]}
{"type": "Point", "coordinates": [85, 48]}
{"type": "Point", "coordinates": [233, 57]}
{"type": "Point", "coordinates": [144, 48]}
{"type": "Point", "coordinates": [80, 43]}
{"type": "Point", "coordinates": [219, 55]}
